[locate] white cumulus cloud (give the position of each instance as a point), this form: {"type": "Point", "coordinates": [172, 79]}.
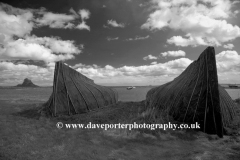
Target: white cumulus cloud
{"type": "Point", "coordinates": [149, 57]}
{"type": "Point", "coordinates": [228, 46]}
{"type": "Point", "coordinates": [46, 49]}
{"type": "Point", "coordinates": [14, 22]}
{"type": "Point", "coordinates": [82, 26]}
{"type": "Point", "coordinates": [55, 44]}
{"type": "Point", "coordinates": [17, 42]}
{"type": "Point", "coordinates": [228, 66]}
{"type": "Point", "coordinates": [173, 53]}
{"type": "Point", "coordinates": [84, 13]}
{"type": "Point", "coordinates": [204, 22]}
{"type": "Point", "coordinates": [138, 38]}
{"type": "Point", "coordinates": [112, 39]}
{"type": "Point", "coordinates": [114, 23]}
{"type": "Point", "coordinates": [154, 62]}
{"type": "Point", "coordinates": [228, 61]}
{"type": "Point", "coordinates": [54, 20]}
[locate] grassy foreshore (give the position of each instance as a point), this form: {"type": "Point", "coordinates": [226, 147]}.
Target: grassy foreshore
{"type": "Point", "coordinates": [27, 135]}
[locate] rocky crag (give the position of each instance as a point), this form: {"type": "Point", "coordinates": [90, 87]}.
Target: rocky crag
{"type": "Point", "coordinates": [27, 83]}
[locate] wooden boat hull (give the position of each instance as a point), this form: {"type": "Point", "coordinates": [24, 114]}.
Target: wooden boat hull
{"type": "Point", "coordinates": [74, 93]}
{"type": "Point", "coordinates": [195, 96]}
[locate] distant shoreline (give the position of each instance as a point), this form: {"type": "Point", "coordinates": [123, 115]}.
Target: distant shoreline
{"type": "Point", "coordinates": [16, 87]}
{"type": "Point", "coordinates": [151, 86]}
{"type": "Point", "coordinates": [231, 87]}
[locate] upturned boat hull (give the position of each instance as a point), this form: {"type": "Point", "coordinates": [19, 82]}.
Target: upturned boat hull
{"type": "Point", "coordinates": [74, 93]}
{"type": "Point", "coordinates": [195, 96]}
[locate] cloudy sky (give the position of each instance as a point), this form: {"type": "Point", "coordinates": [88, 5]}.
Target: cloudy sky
{"type": "Point", "coordinates": [117, 42]}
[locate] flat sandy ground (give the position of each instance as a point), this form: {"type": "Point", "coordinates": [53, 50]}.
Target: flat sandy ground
{"type": "Point", "coordinates": [25, 135]}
